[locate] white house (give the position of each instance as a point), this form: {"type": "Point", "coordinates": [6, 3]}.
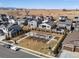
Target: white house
{"type": "Point", "coordinates": [33, 24]}
{"type": "Point", "coordinates": [47, 25]}
{"type": "Point", "coordinates": [2, 35]}
{"type": "Point", "coordinates": [20, 21]}
{"type": "Point", "coordinates": [12, 21]}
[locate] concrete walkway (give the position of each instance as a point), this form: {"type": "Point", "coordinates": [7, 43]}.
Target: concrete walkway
{"type": "Point", "coordinates": [31, 51]}
{"type": "Point", "coordinates": [18, 41]}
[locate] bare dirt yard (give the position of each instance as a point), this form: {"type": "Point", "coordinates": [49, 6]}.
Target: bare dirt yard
{"type": "Point", "coordinates": [38, 44]}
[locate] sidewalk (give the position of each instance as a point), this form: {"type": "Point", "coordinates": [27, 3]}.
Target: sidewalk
{"type": "Point", "coordinates": [31, 51]}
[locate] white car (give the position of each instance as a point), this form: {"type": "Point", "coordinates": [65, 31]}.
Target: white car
{"type": "Point", "coordinates": [15, 48]}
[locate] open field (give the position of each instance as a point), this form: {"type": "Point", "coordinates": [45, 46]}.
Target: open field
{"type": "Point", "coordinates": [54, 13]}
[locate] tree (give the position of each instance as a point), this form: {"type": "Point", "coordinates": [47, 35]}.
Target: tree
{"type": "Point", "coordinates": [27, 12]}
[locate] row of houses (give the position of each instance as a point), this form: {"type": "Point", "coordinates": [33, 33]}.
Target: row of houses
{"type": "Point", "coordinates": [8, 26]}
{"type": "Point", "coordinates": [48, 23]}
{"type": "Point", "coordinates": [39, 22]}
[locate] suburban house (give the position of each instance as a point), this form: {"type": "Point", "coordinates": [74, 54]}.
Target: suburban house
{"type": "Point", "coordinates": [47, 25]}
{"type": "Point", "coordinates": [49, 18]}
{"type": "Point", "coordinates": [64, 23]}
{"type": "Point", "coordinates": [41, 36]}
{"type": "Point", "coordinates": [71, 42]}
{"type": "Point", "coordinates": [13, 30]}
{"type": "Point", "coordinates": [27, 21]}
{"type": "Point", "coordinates": [34, 23]}
{"type": "Point", "coordinates": [63, 17]}
{"type": "Point", "coordinates": [2, 35]}
{"type": "Point", "coordinates": [76, 23]}
{"type": "Point", "coordinates": [5, 30]}
{"type": "Point", "coordinates": [20, 21]}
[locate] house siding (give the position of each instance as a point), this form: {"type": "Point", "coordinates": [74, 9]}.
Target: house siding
{"type": "Point", "coordinates": [67, 48]}
{"type": "Point", "coordinates": [48, 27]}
{"type": "Point", "coordinates": [32, 24]}
{"type": "Point", "coordinates": [76, 49]}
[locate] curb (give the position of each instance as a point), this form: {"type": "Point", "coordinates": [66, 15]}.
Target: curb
{"type": "Point", "coordinates": [29, 50]}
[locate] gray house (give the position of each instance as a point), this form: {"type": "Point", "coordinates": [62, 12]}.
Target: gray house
{"type": "Point", "coordinates": [76, 23]}
{"type": "Point", "coordinates": [64, 23]}
{"type": "Point", "coordinates": [63, 17]}
{"type": "Point", "coordinates": [34, 23]}
{"type": "Point", "coordinates": [13, 30]}
{"type": "Point", "coordinates": [47, 25]}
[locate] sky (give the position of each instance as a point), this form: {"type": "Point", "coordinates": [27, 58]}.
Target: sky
{"type": "Point", "coordinates": [41, 4]}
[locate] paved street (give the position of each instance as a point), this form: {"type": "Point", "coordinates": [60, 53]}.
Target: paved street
{"type": "Point", "coordinates": [8, 53]}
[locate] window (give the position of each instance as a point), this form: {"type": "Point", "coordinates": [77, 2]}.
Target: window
{"type": "Point", "coordinates": [68, 24]}
{"type": "Point", "coordinates": [43, 26]}
{"type": "Point", "coordinates": [31, 24]}
{"type": "Point", "coordinates": [74, 21]}
{"type": "Point", "coordinates": [47, 26]}
{"type": "Point", "coordinates": [76, 17]}
{"type": "Point", "coordinates": [62, 20]}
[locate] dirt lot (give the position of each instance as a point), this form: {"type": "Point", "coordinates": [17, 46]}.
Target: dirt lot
{"type": "Point", "coordinates": [55, 13]}
{"type": "Point", "coordinates": [38, 44]}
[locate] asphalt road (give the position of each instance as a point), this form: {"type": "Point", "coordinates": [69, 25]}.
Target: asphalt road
{"type": "Point", "coordinates": [8, 53]}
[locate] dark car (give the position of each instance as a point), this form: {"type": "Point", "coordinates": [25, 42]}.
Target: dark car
{"type": "Point", "coordinates": [7, 46]}
{"type": "Point", "coordinates": [18, 49]}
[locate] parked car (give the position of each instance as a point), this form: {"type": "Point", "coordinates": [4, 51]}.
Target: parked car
{"type": "Point", "coordinates": [15, 48]}
{"type": "Point", "coordinates": [7, 46]}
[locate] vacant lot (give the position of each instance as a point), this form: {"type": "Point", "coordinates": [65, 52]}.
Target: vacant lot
{"type": "Point", "coordinates": [36, 45]}
{"type": "Point", "coordinates": [40, 45]}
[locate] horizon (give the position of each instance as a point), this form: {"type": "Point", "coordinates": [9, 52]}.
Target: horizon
{"type": "Point", "coordinates": [40, 4]}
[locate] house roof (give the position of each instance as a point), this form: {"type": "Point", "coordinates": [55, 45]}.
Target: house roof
{"type": "Point", "coordinates": [1, 32]}
{"type": "Point", "coordinates": [50, 23]}
{"type": "Point", "coordinates": [14, 27]}
{"type": "Point", "coordinates": [72, 38]}
{"type": "Point", "coordinates": [65, 22]}
{"type": "Point", "coordinates": [36, 20]}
